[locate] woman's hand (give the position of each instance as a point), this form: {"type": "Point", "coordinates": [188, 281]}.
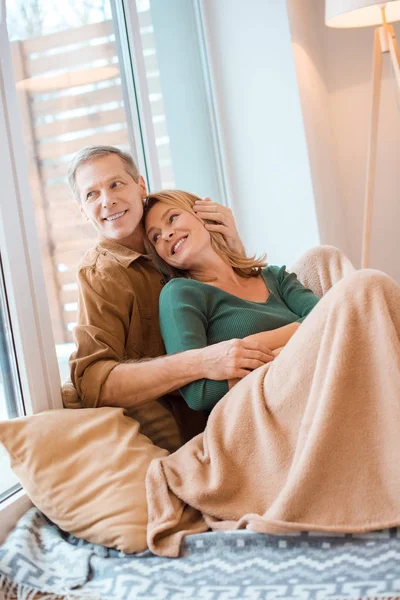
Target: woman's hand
{"type": "Point", "coordinates": [233, 359]}
{"type": "Point", "coordinates": [232, 382]}
{"type": "Point", "coordinates": [275, 338]}
{"type": "Point", "coordinates": [224, 222]}
{"type": "Point", "coordinates": [277, 351]}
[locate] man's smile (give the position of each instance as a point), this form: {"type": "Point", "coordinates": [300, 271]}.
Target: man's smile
{"type": "Point", "coordinates": [115, 216]}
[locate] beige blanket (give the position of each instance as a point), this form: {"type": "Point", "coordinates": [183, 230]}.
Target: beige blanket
{"type": "Point", "coordinates": [308, 442]}
{"type": "Point", "coordinates": [321, 267]}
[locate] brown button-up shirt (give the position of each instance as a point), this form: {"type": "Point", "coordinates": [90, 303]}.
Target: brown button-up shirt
{"type": "Point", "coordinates": [118, 320]}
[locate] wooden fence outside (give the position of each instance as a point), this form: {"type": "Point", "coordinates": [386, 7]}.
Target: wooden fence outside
{"type": "Point", "coordinates": [70, 96]}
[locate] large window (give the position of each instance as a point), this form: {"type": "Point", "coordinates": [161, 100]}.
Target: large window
{"type": "Point", "coordinates": [70, 95]}
{"type": "Point", "coordinates": [77, 73]}
{"type": "Point", "coordinates": [102, 72]}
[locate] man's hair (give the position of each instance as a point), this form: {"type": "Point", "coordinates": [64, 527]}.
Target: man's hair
{"type": "Point", "coordinates": [91, 153]}
{"type": "Point", "coordinates": [242, 265]}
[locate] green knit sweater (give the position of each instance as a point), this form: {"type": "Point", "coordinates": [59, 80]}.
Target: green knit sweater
{"type": "Point", "coordinates": [195, 315]}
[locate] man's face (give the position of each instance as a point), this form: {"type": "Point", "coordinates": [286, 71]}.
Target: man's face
{"type": "Point", "coordinates": [111, 199]}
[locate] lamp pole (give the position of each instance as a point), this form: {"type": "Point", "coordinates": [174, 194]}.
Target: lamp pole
{"type": "Point", "coordinates": [384, 41]}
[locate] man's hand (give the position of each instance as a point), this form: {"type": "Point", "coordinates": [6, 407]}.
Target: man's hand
{"type": "Point", "coordinates": [233, 382]}
{"type": "Point", "coordinates": [224, 222]}
{"type": "Point", "coordinates": [233, 359]}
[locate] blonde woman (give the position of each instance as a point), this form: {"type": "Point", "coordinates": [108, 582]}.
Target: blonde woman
{"type": "Point", "coordinates": [214, 294]}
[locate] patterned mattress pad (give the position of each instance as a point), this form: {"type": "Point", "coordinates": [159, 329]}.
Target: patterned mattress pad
{"type": "Point", "coordinates": [39, 557]}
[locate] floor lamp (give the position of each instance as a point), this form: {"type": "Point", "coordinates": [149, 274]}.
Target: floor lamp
{"type": "Point", "coordinates": [364, 13]}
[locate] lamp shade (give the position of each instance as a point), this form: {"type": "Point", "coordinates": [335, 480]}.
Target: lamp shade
{"type": "Point", "coordinates": [359, 13]}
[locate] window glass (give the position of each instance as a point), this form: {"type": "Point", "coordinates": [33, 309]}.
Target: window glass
{"type": "Point", "coordinates": [11, 404]}
{"type": "Point", "coordinates": [71, 92]}
{"type": "Point", "coordinates": [180, 97]}
{"type": "Point", "coordinates": [70, 96]}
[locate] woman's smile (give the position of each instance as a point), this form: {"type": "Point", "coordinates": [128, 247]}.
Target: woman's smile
{"type": "Point", "coordinates": [176, 246]}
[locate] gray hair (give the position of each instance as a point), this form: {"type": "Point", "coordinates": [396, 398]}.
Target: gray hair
{"type": "Point", "coordinates": [90, 153]}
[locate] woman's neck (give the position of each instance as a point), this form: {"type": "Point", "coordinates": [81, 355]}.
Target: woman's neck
{"type": "Point", "coordinates": [215, 270]}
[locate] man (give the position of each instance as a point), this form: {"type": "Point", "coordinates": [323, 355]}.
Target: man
{"type": "Point", "coordinates": [117, 328]}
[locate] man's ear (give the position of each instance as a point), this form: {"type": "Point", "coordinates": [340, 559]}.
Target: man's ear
{"type": "Point", "coordinates": [83, 213]}
{"type": "Point", "coordinates": [142, 185]}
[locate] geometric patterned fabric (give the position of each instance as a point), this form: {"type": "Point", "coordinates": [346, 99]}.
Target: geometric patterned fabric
{"type": "Point", "coordinates": [238, 565]}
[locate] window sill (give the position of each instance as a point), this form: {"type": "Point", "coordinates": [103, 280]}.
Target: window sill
{"type": "Point", "coordinates": [11, 510]}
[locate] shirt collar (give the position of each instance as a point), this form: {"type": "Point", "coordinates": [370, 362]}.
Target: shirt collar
{"type": "Point", "coordinates": [124, 255]}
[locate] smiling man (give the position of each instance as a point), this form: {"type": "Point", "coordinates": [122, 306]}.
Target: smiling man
{"type": "Point", "coordinates": [119, 360]}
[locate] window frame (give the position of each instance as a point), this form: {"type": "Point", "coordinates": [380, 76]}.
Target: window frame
{"type": "Point", "coordinates": [136, 90]}
{"type": "Point", "coordinates": [214, 108]}
{"type": "Point", "coordinates": [23, 274]}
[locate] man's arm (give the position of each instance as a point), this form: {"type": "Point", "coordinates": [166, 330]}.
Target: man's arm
{"type": "Point", "coordinates": [136, 383]}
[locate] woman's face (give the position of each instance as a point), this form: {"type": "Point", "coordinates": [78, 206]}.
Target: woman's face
{"type": "Point", "coordinates": [177, 235]}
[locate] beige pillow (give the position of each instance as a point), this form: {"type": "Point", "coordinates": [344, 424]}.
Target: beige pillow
{"type": "Point", "coordinates": [156, 419]}
{"type": "Point", "coordinates": [85, 470]}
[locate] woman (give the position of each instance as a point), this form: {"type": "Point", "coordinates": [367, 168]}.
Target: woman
{"type": "Point", "coordinates": [214, 294]}
{"type": "Point", "coordinates": [307, 442]}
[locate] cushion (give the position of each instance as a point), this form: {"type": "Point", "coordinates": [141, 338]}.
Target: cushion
{"type": "Point", "coordinates": [156, 418]}
{"type": "Point", "coordinates": [168, 422]}
{"type": "Point", "coordinates": [85, 470]}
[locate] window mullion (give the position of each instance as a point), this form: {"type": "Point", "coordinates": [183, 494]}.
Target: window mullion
{"type": "Point", "coordinates": [136, 90]}
{"type": "Point", "coordinates": [19, 246]}
{"type": "Point", "coordinates": [212, 102]}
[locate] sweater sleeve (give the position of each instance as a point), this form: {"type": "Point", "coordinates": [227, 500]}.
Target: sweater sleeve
{"type": "Point", "coordinates": [183, 323]}
{"type": "Point", "coordinates": [297, 298]}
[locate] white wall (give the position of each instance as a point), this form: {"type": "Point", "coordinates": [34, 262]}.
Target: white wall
{"type": "Point", "coordinates": [262, 126]}
{"type": "Point", "coordinates": [307, 41]}
{"type": "Point", "coordinates": [334, 74]}
{"type": "Point", "coordinates": [348, 61]}
{"type": "Point", "coordinates": [294, 106]}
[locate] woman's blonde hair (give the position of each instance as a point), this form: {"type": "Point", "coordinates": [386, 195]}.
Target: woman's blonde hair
{"type": "Point", "coordinates": [242, 265]}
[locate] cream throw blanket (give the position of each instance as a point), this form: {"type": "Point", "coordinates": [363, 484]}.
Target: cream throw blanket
{"type": "Point", "coordinates": [308, 442]}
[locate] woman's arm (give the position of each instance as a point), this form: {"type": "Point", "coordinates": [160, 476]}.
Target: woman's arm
{"type": "Point", "coordinates": [275, 338]}
{"type": "Point", "coordinates": [299, 299]}
{"type": "Point", "coordinates": [184, 322]}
